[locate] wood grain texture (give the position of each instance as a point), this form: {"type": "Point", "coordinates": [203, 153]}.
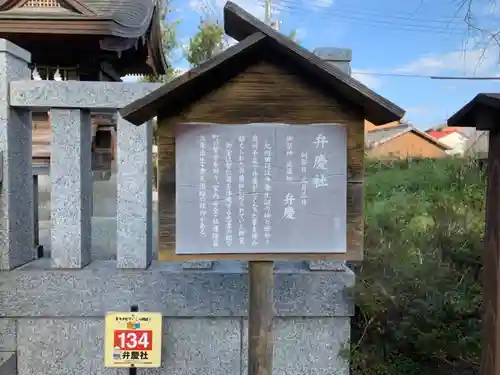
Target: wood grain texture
{"type": "Point", "coordinates": [490, 358]}
{"type": "Point", "coordinates": [103, 140]}
{"type": "Point", "coordinates": [189, 87]}
{"type": "Point", "coordinates": [240, 24]}
{"type": "Point", "coordinates": [260, 318]}
{"type": "Point", "coordinates": [264, 93]}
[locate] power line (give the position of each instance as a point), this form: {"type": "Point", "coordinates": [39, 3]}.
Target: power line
{"type": "Point", "coordinates": [364, 18]}
{"type": "Point", "coordinates": [268, 9]}
{"type": "Point", "coordinates": [435, 77]}
{"type": "Point", "coordinates": [467, 78]}
{"type": "Point", "coordinates": [369, 12]}
{"type": "Point", "coordinates": [389, 24]}
{"type": "Point", "coordinates": [403, 75]}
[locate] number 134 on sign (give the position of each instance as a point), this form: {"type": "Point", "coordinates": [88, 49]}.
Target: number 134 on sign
{"type": "Point", "coordinates": [133, 340]}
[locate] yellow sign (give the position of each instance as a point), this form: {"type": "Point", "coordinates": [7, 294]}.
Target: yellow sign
{"type": "Point", "coordinates": [132, 339]}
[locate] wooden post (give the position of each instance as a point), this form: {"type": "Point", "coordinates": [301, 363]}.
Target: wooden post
{"type": "Point", "coordinates": [260, 317]}
{"type": "Point", "coordinates": [490, 356]}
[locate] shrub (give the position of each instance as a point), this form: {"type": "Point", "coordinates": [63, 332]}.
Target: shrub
{"type": "Point", "coordinates": [418, 291]}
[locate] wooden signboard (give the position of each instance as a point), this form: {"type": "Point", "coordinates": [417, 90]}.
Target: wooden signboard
{"type": "Point", "coordinates": [261, 189]}
{"type": "Point", "coordinates": [261, 158]}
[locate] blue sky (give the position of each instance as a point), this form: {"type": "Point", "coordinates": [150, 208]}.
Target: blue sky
{"type": "Point", "coordinates": [411, 37]}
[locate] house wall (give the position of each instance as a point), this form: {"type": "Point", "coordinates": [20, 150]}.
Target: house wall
{"type": "Point", "coordinates": [456, 141]}
{"type": "Point", "coordinates": [370, 126]}
{"type": "Point", "coordinates": [407, 145]}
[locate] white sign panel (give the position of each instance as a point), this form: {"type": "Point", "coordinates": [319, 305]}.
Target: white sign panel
{"type": "Point", "coordinates": [261, 188]}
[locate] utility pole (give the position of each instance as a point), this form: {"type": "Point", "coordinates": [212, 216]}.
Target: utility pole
{"type": "Point", "coordinates": [267, 17]}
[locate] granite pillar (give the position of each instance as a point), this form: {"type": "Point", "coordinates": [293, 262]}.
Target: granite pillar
{"type": "Point", "coordinates": [16, 191]}
{"type": "Point", "coordinates": [134, 237]}
{"type": "Point", "coordinates": [341, 59]}
{"type": "Point", "coordinates": [71, 196]}
{"type": "Point", "coordinates": [338, 57]}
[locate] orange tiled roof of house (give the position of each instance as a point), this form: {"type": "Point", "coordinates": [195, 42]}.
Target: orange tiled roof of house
{"type": "Point", "coordinates": [369, 126]}
{"type": "Point", "coordinates": [439, 133]}
{"type": "Point", "coordinates": [442, 132]}
{"type": "Point", "coordinates": [396, 139]}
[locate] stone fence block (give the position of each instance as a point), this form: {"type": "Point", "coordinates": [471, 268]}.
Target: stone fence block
{"type": "Point", "coordinates": [37, 290]}
{"type": "Point", "coordinates": [43, 95]}
{"type": "Point", "coordinates": [211, 346]}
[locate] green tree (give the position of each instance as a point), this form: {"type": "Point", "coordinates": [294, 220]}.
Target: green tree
{"type": "Point", "coordinates": [418, 294]}
{"type": "Point", "coordinates": [293, 36]}
{"type": "Point", "coordinates": [206, 43]}
{"type": "Point", "coordinates": [209, 41]}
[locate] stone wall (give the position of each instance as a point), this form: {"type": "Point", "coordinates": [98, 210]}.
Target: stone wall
{"type": "Point", "coordinates": [52, 312]}
{"type": "Point", "coordinates": [53, 319]}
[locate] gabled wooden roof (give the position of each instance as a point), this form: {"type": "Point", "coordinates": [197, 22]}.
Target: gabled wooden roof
{"type": "Point", "coordinates": [259, 41]}
{"type": "Point", "coordinates": [131, 18]}
{"type": "Point", "coordinates": [378, 137]}
{"type": "Point", "coordinates": [124, 22]}
{"type": "Point", "coordinates": [468, 114]}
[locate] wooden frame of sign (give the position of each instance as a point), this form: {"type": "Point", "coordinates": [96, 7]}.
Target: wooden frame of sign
{"type": "Point", "coordinates": [265, 78]}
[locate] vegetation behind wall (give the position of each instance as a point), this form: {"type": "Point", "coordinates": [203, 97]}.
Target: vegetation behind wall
{"type": "Point", "coordinates": [418, 291]}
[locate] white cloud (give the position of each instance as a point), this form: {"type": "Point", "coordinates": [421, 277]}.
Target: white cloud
{"type": "Point", "coordinates": [300, 33]}
{"type": "Point", "coordinates": [177, 72]}
{"type": "Point", "coordinates": [198, 6]}
{"type": "Point", "coordinates": [180, 71]}
{"type": "Point", "coordinates": [230, 41]}
{"type": "Point", "coordinates": [490, 8]}
{"type": "Point", "coordinates": [368, 80]}
{"type": "Point", "coordinates": [321, 4]}
{"type": "Point", "coordinates": [476, 58]}
{"type": "Point", "coordinates": [450, 88]}
{"type": "Point", "coordinates": [418, 111]}
{"type": "Point", "coordinates": [213, 8]}
{"type": "Point", "coordinates": [131, 78]}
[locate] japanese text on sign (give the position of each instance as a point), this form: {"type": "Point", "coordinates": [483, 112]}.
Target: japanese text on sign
{"type": "Point", "coordinates": [275, 188]}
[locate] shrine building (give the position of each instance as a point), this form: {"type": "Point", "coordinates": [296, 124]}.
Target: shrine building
{"type": "Point", "coordinates": [91, 40]}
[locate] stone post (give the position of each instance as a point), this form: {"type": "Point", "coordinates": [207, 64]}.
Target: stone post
{"type": "Point", "coordinates": [134, 190]}
{"type": "Point", "coordinates": [16, 189]}
{"type": "Point", "coordinates": [71, 196]}
{"type": "Point", "coordinates": [340, 58]}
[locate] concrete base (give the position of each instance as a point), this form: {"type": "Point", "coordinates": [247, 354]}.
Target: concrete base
{"type": "Point", "coordinates": [54, 319]}
{"type": "Point", "coordinates": [208, 346]}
